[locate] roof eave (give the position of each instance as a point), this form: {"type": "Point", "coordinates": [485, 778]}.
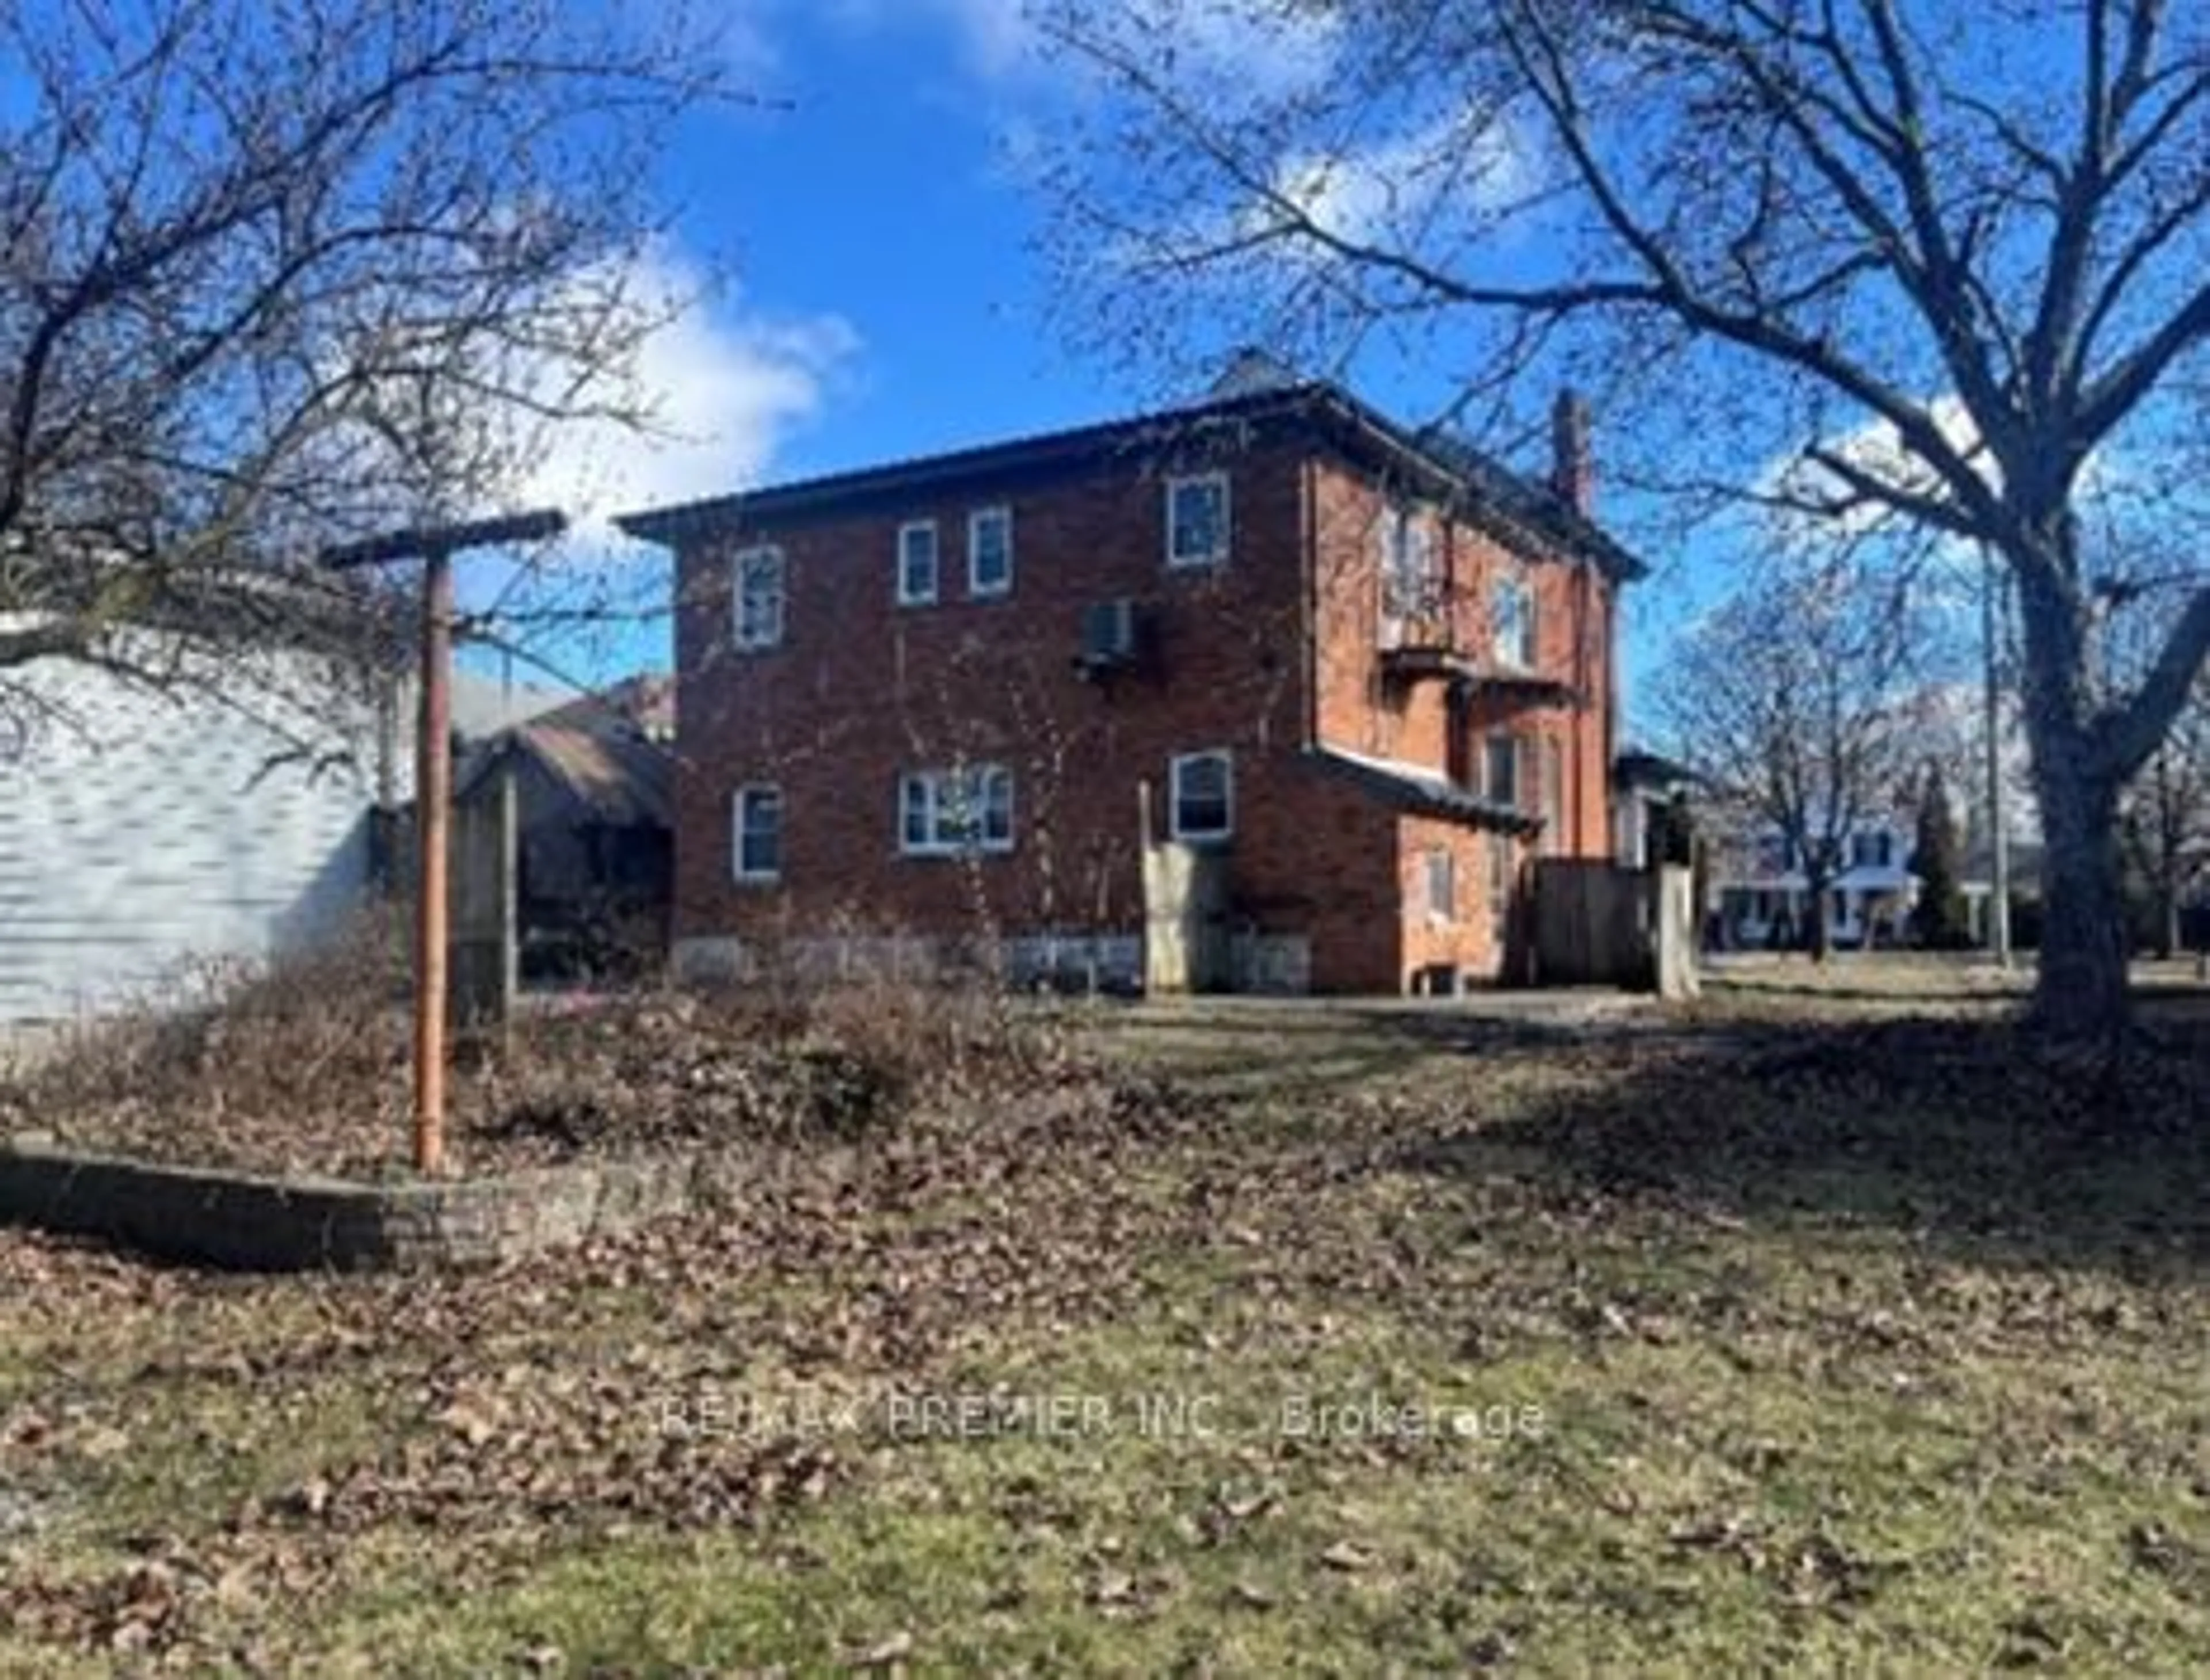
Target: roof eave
{"type": "Point", "coordinates": [1320, 399]}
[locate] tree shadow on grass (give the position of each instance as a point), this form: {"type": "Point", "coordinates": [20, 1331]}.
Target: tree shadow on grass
{"type": "Point", "coordinates": [1967, 1135]}
{"type": "Point", "coordinates": [1316, 1051]}
{"type": "Point", "coordinates": [1982, 992]}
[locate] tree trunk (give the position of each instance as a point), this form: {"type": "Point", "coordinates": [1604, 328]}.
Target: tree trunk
{"type": "Point", "coordinates": [1817, 940]}
{"type": "Point", "coordinates": [2080, 993]}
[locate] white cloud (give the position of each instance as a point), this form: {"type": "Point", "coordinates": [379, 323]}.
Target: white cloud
{"type": "Point", "coordinates": [1877, 451]}
{"type": "Point", "coordinates": [1262, 46]}
{"type": "Point", "coordinates": [1390, 188]}
{"type": "Point", "coordinates": [997, 38]}
{"type": "Point", "coordinates": [725, 386]}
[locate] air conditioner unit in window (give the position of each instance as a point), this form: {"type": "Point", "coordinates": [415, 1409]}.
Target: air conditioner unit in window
{"type": "Point", "coordinates": [1109, 636]}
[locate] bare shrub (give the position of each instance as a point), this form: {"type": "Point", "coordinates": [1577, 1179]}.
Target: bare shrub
{"type": "Point", "coordinates": [233, 1047]}
{"type": "Point", "coordinates": [301, 1064]}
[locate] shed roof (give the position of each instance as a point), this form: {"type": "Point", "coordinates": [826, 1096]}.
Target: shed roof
{"type": "Point", "coordinates": [612, 775]}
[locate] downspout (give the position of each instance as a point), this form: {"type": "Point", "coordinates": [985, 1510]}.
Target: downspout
{"type": "Point", "coordinates": [1611, 694]}
{"type": "Point", "coordinates": [1308, 603]}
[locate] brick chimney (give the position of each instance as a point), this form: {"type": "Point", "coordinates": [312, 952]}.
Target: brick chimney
{"type": "Point", "coordinates": [1572, 468]}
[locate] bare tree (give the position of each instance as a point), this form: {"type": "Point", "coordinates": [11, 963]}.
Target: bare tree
{"type": "Point", "coordinates": [1970, 237]}
{"type": "Point", "coordinates": [2163, 811]}
{"type": "Point", "coordinates": [1792, 700]}
{"type": "Point", "coordinates": [277, 274]}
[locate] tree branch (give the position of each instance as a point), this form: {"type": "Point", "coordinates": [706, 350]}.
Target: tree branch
{"type": "Point", "coordinates": [2125, 738]}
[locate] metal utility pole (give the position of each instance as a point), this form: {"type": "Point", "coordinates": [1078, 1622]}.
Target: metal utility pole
{"type": "Point", "coordinates": [433, 781]}
{"type": "Point", "coordinates": [1998, 828]}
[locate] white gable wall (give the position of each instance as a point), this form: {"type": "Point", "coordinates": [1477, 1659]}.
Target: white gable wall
{"type": "Point", "coordinates": [140, 831]}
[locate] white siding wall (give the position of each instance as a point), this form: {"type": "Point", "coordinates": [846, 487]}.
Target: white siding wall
{"type": "Point", "coordinates": [141, 831]}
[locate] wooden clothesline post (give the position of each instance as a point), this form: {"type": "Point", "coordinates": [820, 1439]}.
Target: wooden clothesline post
{"type": "Point", "coordinates": [433, 781]}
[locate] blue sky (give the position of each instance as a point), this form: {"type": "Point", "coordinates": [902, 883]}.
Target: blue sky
{"type": "Point", "coordinates": [880, 294]}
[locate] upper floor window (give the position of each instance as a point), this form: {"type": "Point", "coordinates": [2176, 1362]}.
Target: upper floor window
{"type": "Point", "coordinates": [1197, 520]}
{"type": "Point", "coordinates": [1512, 622]}
{"type": "Point", "coordinates": [755, 834]}
{"type": "Point", "coordinates": [916, 563]}
{"type": "Point", "coordinates": [1500, 770]}
{"type": "Point", "coordinates": [1411, 581]}
{"type": "Point", "coordinates": [946, 810]}
{"type": "Point", "coordinates": [759, 597]}
{"type": "Point", "coordinates": [1203, 802]}
{"type": "Point", "coordinates": [990, 551]}
{"type": "Point", "coordinates": [1872, 849]}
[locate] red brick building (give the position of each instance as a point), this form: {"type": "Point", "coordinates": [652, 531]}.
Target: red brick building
{"type": "Point", "coordinates": [1365, 673]}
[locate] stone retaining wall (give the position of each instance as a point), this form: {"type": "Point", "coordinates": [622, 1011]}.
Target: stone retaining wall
{"type": "Point", "coordinates": [267, 1224]}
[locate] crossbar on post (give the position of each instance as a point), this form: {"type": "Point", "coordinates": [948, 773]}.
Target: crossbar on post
{"type": "Point", "coordinates": [433, 783]}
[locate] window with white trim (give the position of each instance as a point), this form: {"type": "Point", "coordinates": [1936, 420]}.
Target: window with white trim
{"type": "Point", "coordinates": [916, 563]}
{"type": "Point", "coordinates": [990, 551]}
{"type": "Point", "coordinates": [945, 812]}
{"type": "Point", "coordinates": [1499, 781]}
{"type": "Point", "coordinates": [757, 586]}
{"type": "Point", "coordinates": [1197, 520]}
{"type": "Point", "coordinates": [1441, 872]}
{"type": "Point", "coordinates": [1201, 805]}
{"type": "Point", "coordinates": [755, 834]}
{"type": "Point", "coordinates": [1512, 622]}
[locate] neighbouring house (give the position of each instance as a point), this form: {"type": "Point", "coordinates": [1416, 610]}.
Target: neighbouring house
{"type": "Point", "coordinates": [643, 703]}
{"type": "Point", "coordinates": [1647, 789]}
{"type": "Point", "coordinates": [2022, 858]}
{"type": "Point", "coordinates": [1340, 679]}
{"type": "Point", "coordinates": [1763, 898]}
{"type": "Point", "coordinates": [593, 829]}
{"type": "Point", "coordinates": [482, 705]}
{"type": "Point", "coordinates": [225, 814]}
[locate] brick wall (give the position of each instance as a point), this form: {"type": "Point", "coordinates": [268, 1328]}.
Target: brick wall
{"type": "Point", "coordinates": [1565, 753]}
{"type": "Point", "coordinates": [1261, 656]}
{"type": "Point", "coordinates": [863, 689]}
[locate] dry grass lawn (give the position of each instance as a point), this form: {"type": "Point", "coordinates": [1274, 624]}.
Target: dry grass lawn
{"type": "Point", "coordinates": [1821, 1325]}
